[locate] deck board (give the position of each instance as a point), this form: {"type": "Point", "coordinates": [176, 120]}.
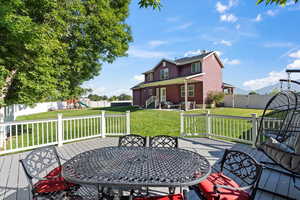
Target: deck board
{"type": "Point", "coordinates": [13, 183]}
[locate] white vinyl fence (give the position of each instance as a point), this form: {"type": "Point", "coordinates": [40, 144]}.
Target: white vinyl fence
{"type": "Point", "coordinates": [23, 135]}
{"type": "Point", "coordinates": [246, 101]}
{"type": "Point", "coordinates": [239, 129]}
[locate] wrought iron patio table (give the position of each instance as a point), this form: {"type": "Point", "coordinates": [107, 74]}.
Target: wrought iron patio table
{"type": "Point", "coordinates": [136, 167]}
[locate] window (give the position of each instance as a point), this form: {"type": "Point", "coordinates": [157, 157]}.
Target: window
{"type": "Point", "coordinates": [164, 74]}
{"type": "Point", "coordinates": [150, 92]}
{"type": "Point", "coordinates": [150, 77]}
{"type": "Point", "coordinates": [196, 67]}
{"type": "Point", "coordinates": [191, 91]}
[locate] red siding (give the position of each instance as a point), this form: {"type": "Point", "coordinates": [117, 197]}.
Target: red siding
{"type": "Point", "coordinates": [173, 71]}
{"type": "Point", "coordinates": [185, 70]}
{"type": "Point", "coordinates": [173, 94]}
{"type": "Point", "coordinates": [213, 75]}
{"type": "Point", "coordinates": [136, 97]}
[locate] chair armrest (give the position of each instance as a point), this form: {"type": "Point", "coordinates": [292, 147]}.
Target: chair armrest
{"type": "Point", "coordinates": [216, 187]}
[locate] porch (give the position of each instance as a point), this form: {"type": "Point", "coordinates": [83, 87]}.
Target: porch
{"type": "Point", "coordinates": [182, 92]}
{"type": "Point", "coordinates": [13, 183]}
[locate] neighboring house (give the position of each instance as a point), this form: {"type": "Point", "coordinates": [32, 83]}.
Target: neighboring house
{"type": "Point", "coordinates": [183, 80]}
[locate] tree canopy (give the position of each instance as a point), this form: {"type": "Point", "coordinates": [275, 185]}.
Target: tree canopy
{"type": "Point", "coordinates": [48, 48]}
{"type": "Point", "coordinates": [280, 2]}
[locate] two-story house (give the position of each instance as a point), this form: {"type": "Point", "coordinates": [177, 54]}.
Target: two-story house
{"type": "Point", "coordinates": [187, 79]}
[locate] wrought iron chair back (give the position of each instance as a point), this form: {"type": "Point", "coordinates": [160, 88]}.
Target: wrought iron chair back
{"type": "Point", "coordinates": [39, 162]}
{"type": "Point", "coordinates": [132, 140]}
{"type": "Point", "coordinates": [164, 141]}
{"type": "Point", "coordinates": [244, 169]}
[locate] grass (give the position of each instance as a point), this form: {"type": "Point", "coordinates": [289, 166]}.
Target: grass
{"type": "Point", "coordinates": [145, 122]}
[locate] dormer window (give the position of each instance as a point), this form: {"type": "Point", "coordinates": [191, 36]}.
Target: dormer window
{"type": "Point", "coordinates": [150, 77]}
{"type": "Point", "coordinates": [196, 67]}
{"type": "Point", "coordinates": [164, 63]}
{"type": "Point", "coordinates": [164, 74]}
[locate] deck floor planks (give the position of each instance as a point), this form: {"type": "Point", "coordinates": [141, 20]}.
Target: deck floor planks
{"type": "Point", "coordinates": [13, 183]}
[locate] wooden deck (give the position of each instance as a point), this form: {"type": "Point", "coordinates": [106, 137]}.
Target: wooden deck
{"type": "Point", "coordinates": [13, 183]}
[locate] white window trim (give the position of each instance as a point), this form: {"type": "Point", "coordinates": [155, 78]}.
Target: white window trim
{"type": "Point", "coordinates": [164, 74]}
{"type": "Point", "coordinates": [199, 70]}
{"type": "Point", "coordinates": [191, 88]}
{"type": "Point", "coordinates": [150, 77]}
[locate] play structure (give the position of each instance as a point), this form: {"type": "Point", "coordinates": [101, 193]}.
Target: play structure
{"type": "Point", "coordinates": [75, 104]}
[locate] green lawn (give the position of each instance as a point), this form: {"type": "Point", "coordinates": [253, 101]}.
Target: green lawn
{"type": "Point", "coordinates": [145, 122]}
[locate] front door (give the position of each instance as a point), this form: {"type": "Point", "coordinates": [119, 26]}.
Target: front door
{"type": "Point", "coordinates": [163, 94]}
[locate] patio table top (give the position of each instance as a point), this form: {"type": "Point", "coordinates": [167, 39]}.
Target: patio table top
{"type": "Point", "coordinates": [135, 167]}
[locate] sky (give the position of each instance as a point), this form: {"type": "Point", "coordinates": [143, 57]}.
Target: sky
{"type": "Point", "coordinates": [256, 43]}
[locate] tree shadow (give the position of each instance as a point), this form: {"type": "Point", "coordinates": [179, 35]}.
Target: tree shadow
{"type": "Point", "coordinates": [119, 108]}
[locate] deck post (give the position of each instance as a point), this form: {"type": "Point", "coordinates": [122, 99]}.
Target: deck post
{"type": "Point", "coordinates": [103, 124]}
{"type": "Point", "coordinates": [185, 95]}
{"type": "Point", "coordinates": [60, 130]}
{"type": "Point", "coordinates": [254, 129]}
{"type": "Point", "coordinates": [208, 123]}
{"type": "Point", "coordinates": [128, 122]}
{"type": "Point", "coordinates": [181, 124]}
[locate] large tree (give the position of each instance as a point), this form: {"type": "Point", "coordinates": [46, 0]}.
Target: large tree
{"type": "Point", "coordinates": [280, 2]}
{"type": "Point", "coordinates": [48, 48]}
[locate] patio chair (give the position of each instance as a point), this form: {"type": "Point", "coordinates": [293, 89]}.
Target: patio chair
{"type": "Point", "coordinates": [239, 183]}
{"type": "Point", "coordinates": [43, 171]}
{"type": "Point", "coordinates": [132, 140]}
{"type": "Point", "coordinates": [164, 141]}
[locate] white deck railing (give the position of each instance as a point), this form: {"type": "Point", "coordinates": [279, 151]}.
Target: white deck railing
{"type": "Point", "coordinates": [240, 129]}
{"type": "Point", "coordinates": [23, 135]}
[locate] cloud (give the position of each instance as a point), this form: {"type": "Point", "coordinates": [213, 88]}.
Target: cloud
{"type": "Point", "coordinates": [139, 77]}
{"type": "Point", "coordinates": [219, 53]}
{"type": "Point", "coordinates": [294, 64]}
{"type": "Point", "coordinates": [228, 18]}
{"type": "Point", "coordinates": [295, 54]}
{"type": "Point", "coordinates": [193, 53]}
{"type": "Point", "coordinates": [278, 44]}
{"type": "Point", "coordinates": [221, 8]}
{"type": "Point", "coordinates": [172, 19]}
{"type": "Point", "coordinates": [227, 61]}
{"type": "Point", "coordinates": [272, 13]}
{"type": "Point", "coordinates": [226, 43]}
{"type": "Point", "coordinates": [156, 43]}
{"type": "Point", "coordinates": [184, 26]}
{"type": "Point", "coordinates": [140, 53]}
{"type": "Point", "coordinates": [237, 27]}
{"type": "Point", "coordinates": [258, 18]}
{"type": "Point", "coordinates": [272, 78]}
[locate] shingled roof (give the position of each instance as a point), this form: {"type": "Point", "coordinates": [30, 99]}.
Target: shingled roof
{"type": "Point", "coordinates": [190, 59]}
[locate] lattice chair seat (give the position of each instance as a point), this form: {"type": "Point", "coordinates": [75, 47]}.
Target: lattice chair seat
{"type": "Point", "coordinates": [239, 183]}
{"type": "Point", "coordinates": [208, 188]}
{"type": "Point", "coordinates": [164, 141]}
{"type": "Point", "coordinates": [167, 197]}
{"type": "Point", "coordinates": [54, 183]}
{"type": "Point", "coordinates": [132, 141]}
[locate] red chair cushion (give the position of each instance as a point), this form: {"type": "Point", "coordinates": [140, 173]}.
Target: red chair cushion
{"type": "Point", "coordinates": [207, 187]}
{"type": "Point", "coordinates": [167, 197]}
{"type": "Point", "coordinates": [53, 184]}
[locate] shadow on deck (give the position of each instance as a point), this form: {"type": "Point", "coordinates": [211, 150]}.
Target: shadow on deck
{"type": "Point", "coordinates": [13, 183]}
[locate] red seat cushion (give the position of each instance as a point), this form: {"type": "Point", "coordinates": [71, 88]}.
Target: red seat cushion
{"type": "Point", "coordinates": [207, 187]}
{"type": "Point", "coordinates": [53, 184]}
{"type": "Point", "coordinates": [167, 197]}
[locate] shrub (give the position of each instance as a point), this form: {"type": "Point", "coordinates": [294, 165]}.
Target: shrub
{"type": "Point", "coordinates": [214, 97]}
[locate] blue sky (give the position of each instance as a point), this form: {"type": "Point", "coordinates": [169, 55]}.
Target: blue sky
{"type": "Point", "coordinates": [256, 43]}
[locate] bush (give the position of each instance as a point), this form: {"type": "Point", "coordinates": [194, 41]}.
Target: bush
{"type": "Point", "coordinates": [215, 97]}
